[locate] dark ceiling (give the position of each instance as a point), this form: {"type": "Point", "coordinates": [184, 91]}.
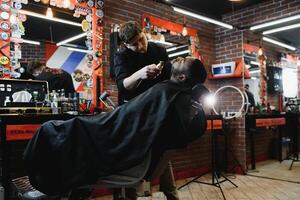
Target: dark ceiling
{"type": "Point", "coordinates": [211, 8]}
{"type": "Point", "coordinates": [290, 37]}
{"type": "Point", "coordinates": [40, 29]}
{"type": "Point", "coordinates": [217, 8]}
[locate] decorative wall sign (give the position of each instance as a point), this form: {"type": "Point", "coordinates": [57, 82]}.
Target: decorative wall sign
{"type": "Point", "coordinates": [4, 60]}
{"type": "Point", "coordinates": [90, 3]}
{"type": "Point", "coordinates": [4, 15]}
{"type": "Point", "coordinates": [17, 5]}
{"type": "Point", "coordinates": [4, 26]}
{"type": "Point", "coordinates": [99, 13]}
{"type": "Point", "coordinates": [85, 25]}
{"type": "Point", "coordinates": [4, 36]}
{"type": "Point", "coordinates": [5, 7]}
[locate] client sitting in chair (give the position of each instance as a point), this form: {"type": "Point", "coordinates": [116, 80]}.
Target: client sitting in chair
{"type": "Point", "coordinates": [64, 155]}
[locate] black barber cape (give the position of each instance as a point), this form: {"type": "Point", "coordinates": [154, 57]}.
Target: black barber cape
{"type": "Point", "coordinates": [66, 154]}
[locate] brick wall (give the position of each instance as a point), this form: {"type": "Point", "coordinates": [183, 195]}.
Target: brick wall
{"type": "Point", "coordinates": [31, 52]}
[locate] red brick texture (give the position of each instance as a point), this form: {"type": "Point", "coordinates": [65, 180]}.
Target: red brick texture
{"type": "Point", "coordinates": [31, 52]}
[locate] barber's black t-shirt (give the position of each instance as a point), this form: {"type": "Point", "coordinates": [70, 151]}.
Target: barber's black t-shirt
{"type": "Point", "coordinates": [128, 62]}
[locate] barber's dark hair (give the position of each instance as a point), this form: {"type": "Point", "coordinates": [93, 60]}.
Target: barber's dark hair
{"type": "Point", "coordinates": [33, 65]}
{"type": "Point", "coordinates": [128, 31]}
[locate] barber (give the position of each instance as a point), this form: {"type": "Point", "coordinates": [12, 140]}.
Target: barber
{"type": "Point", "coordinates": [136, 70]}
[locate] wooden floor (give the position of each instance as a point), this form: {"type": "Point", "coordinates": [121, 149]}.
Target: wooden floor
{"type": "Point", "coordinates": [277, 170]}
{"type": "Point", "coordinates": [249, 188]}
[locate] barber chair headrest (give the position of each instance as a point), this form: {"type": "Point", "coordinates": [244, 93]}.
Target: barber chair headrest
{"type": "Point", "coordinates": [198, 92]}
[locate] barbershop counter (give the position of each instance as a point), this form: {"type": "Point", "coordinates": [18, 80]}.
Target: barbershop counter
{"type": "Point", "coordinates": [15, 131]}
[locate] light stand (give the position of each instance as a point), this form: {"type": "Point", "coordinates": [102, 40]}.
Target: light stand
{"type": "Point", "coordinates": [295, 156]}
{"type": "Point", "coordinates": [215, 173]}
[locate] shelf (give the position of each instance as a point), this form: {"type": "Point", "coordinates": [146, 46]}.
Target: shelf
{"type": "Point", "coordinates": [237, 73]}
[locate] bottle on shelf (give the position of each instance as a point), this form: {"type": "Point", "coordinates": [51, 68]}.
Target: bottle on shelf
{"type": "Point", "coordinates": [75, 102]}
{"type": "Point", "coordinates": [54, 104]}
{"type": "Point", "coordinates": [7, 100]}
{"type": "Point", "coordinates": [63, 102]}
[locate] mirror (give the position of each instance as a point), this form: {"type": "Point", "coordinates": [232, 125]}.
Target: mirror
{"type": "Point", "coordinates": [178, 39]}
{"type": "Point", "coordinates": [252, 62]}
{"type": "Point", "coordinates": [46, 33]}
{"type": "Point", "coordinates": [273, 71]}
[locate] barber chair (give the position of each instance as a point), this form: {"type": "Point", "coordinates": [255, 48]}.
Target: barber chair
{"type": "Point", "coordinates": [124, 179]}
{"type": "Point", "coordinates": [130, 178]}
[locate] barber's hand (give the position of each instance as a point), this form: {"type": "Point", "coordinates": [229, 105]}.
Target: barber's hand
{"type": "Point", "coordinates": [149, 72]}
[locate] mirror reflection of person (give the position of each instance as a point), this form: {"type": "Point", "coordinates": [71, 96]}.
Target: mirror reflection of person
{"type": "Point", "coordinates": [135, 72]}
{"type": "Point", "coordinates": [57, 78]}
{"type": "Point", "coordinates": [250, 97]}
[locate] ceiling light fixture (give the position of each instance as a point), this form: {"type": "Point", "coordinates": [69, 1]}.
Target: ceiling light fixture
{"type": "Point", "coordinates": [80, 50]}
{"type": "Point", "coordinates": [175, 48]}
{"type": "Point", "coordinates": [207, 19]}
{"type": "Point", "coordinates": [33, 14]}
{"type": "Point", "coordinates": [179, 53]}
{"type": "Point", "coordinates": [255, 63]}
{"type": "Point", "coordinates": [161, 42]}
{"type": "Point", "coordinates": [281, 29]}
{"type": "Point", "coordinates": [31, 42]}
{"type": "Point", "coordinates": [71, 39]}
{"type": "Point", "coordinates": [254, 71]}
{"type": "Point", "coordinates": [275, 22]}
{"type": "Point", "coordinates": [279, 43]}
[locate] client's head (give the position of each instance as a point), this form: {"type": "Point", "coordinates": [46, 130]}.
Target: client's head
{"type": "Point", "coordinates": [188, 70]}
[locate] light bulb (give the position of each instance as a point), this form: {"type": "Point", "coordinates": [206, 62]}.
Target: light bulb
{"type": "Point", "coordinates": [184, 31]}
{"type": "Point", "coordinates": [260, 51]}
{"type": "Point", "coordinates": [209, 100]}
{"type": "Point", "coordinates": [49, 13]}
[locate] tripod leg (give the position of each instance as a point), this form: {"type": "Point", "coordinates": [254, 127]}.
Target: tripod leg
{"type": "Point", "coordinates": [218, 184]}
{"type": "Point", "coordinates": [292, 164]}
{"type": "Point", "coordinates": [193, 180]}
{"type": "Point", "coordinates": [227, 179]}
